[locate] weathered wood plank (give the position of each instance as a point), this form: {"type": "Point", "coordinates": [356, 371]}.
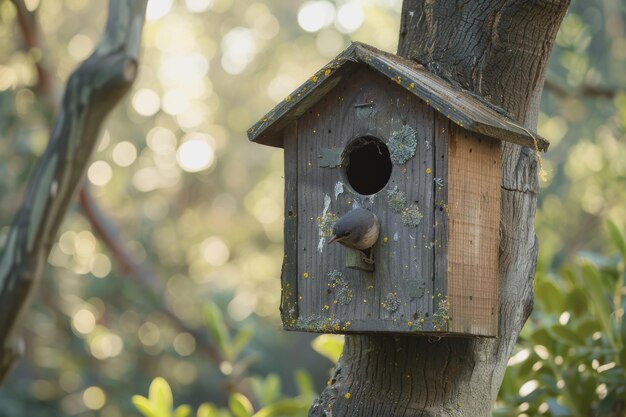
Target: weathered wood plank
{"type": "Point", "coordinates": [289, 274]}
{"type": "Point", "coordinates": [474, 218]}
{"type": "Point", "coordinates": [397, 295]}
{"type": "Point", "coordinates": [441, 183]}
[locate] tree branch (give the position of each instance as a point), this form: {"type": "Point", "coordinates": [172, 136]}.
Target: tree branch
{"type": "Point", "coordinates": [91, 92]}
{"type": "Point", "coordinates": [27, 23]}
{"type": "Point", "coordinates": [105, 230]}
{"type": "Point", "coordinates": [584, 90]}
{"type": "Point", "coordinates": [107, 233]}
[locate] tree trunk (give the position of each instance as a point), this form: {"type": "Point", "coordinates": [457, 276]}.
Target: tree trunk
{"type": "Point", "coordinates": [497, 49]}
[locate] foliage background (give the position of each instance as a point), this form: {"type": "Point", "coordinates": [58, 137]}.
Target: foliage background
{"type": "Point", "coordinates": [200, 208]}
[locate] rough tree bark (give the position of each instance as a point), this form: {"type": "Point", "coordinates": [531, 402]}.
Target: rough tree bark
{"type": "Point", "coordinates": [497, 49]}
{"type": "Point", "coordinates": [92, 91]}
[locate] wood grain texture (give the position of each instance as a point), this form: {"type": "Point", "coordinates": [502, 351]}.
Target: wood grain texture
{"type": "Point", "coordinates": [397, 296]}
{"type": "Point", "coordinates": [460, 106]}
{"type": "Point", "coordinates": [474, 220]}
{"type": "Point", "coordinates": [441, 183]}
{"type": "Point", "coordinates": [289, 274]}
{"type": "Point", "coordinates": [92, 90]}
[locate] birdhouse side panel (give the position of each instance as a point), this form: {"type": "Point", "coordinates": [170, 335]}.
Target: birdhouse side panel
{"type": "Point", "coordinates": [289, 281]}
{"type": "Point", "coordinates": [474, 218]}
{"type": "Point", "coordinates": [333, 294]}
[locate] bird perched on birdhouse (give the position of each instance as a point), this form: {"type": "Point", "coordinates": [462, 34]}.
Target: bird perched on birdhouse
{"type": "Point", "coordinates": [357, 229]}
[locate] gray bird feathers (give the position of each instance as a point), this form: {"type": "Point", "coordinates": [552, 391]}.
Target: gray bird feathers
{"type": "Point", "coordinates": [357, 229]}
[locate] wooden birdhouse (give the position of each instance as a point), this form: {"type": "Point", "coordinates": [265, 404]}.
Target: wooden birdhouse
{"type": "Point", "coordinates": [378, 131]}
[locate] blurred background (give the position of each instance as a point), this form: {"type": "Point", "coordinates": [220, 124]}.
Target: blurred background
{"type": "Point", "coordinates": [186, 286]}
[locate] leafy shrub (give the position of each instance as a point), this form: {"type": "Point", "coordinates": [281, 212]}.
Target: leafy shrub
{"type": "Point", "coordinates": [571, 359]}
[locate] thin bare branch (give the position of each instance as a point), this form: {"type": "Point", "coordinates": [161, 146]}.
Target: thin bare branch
{"type": "Point", "coordinates": [31, 35]}
{"type": "Point", "coordinates": [108, 234]}
{"type": "Point", "coordinates": [584, 90]}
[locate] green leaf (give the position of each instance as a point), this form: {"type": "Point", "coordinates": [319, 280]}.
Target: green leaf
{"type": "Point", "coordinates": [240, 406]}
{"type": "Point", "coordinates": [623, 334]}
{"type": "Point", "coordinates": [182, 411]}
{"type": "Point", "coordinates": [267, 390]}
{"type": "Point", "coordinates": [329, 346]}
{"type": "Point", "coordinates": [617, 237]}
{"type": "Point", "coordinates": [145, 406]}
{"type": "Point", "coordinates": [241, 340]}
{"type": "Point", "coordinates": [218, 329]}
{"type": "Point", "coordinates": [207, 410]}
{"type": "Point", "coordinates": [600, 303]}
{"type": "Point", "coordinates": [304, 382]}
{"type": "Point", "coordinates": [287, 407]}
{"type": "Point", "coordinates": [160, 395]}
{"type": "Point", "coordinates": [566, 336]}
{"type": "Point", "coordinates": [550, 296]}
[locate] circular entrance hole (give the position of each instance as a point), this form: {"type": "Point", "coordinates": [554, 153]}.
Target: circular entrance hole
{"type": "Point", "coordinates": [368, 165]}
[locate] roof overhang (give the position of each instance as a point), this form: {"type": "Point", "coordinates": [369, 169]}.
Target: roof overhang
{"type": "Point", "coordinates": [460, 106]}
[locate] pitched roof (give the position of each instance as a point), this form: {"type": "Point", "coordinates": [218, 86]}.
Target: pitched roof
{"type": "Point", "coordinates": [460, 106]}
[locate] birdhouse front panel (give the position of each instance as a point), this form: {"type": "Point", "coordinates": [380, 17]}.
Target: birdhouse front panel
{"type": "Point", "coordinates": [369, 144]}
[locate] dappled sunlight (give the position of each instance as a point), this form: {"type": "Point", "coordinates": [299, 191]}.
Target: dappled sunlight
{"type": "Point", "coordinates": [200, 209]}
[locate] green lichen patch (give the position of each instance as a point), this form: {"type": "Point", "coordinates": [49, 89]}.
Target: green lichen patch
{"type": "Point", "coordinates": [326, 222]}
{"type": "Point", "coordinates": [402, 145]}
{"type": "Point", "coordinates": [417, 324]}
{"type": "Point", "coordinates": [411, 215]}
{"type": "Point", "coordinates": [329, 157]}
{"type": "Point", "coordinates": [288, 309]}
{"type": "Point", "coordinates": [391, 303]}
{"type": "Point", "coordinates": [316, 323]}
{"type": "Point", "coordinates": [342, 290]}
{"type": "Point", "coordinates": [418, 290]}
{"type": "Point", "coordinates": [396, 199]}
{"type": "Point", "coordinates": [442, 315]}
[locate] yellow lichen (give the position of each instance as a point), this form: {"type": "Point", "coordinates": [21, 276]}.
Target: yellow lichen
{"type": "Point", "coordinates": [327, 72]}
{"type": "Point", "coordinates": [428, 170]}
{"type": "Point", "coordinates": [288, 99]}
{"type": "Point", "coordinates": [305, 275]}
{"type": "Point", "coordinates": [347, 395]}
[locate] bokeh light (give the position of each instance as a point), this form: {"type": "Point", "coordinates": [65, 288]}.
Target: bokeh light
{"type": "Point", "coordinates": [157, 9]}
{"type": "Point", "coordinates": [146, 102]}
{"type": "Point", "coordinates": [350, 17]}
{"type": "Point", "coordinates": [94, 398]}
{"type": "Point", "coordinates": [124, 154]}
{"type": "Point", "coordinates": [195, 153]}
{"type": "Point", "coordinates": [315, 15]}
{"type": "Point", "coordinates": [83, 321]}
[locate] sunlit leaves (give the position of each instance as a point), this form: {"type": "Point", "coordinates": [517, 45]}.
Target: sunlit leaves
{"type": "Point", "coordinates": [572, 360]}
{"type": "Point", "coordinates": [329, 346]}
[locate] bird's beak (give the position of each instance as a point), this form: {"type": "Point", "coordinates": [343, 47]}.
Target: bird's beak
{"type": "Point", "coordinates": [332, 239]}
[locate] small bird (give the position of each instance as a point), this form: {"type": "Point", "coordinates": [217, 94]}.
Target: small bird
{"type": "Point", "coordinates": [357, 229]}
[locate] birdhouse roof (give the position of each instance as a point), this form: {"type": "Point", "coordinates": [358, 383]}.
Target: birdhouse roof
{"type": "Point", "coordinates": [461, 107]}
